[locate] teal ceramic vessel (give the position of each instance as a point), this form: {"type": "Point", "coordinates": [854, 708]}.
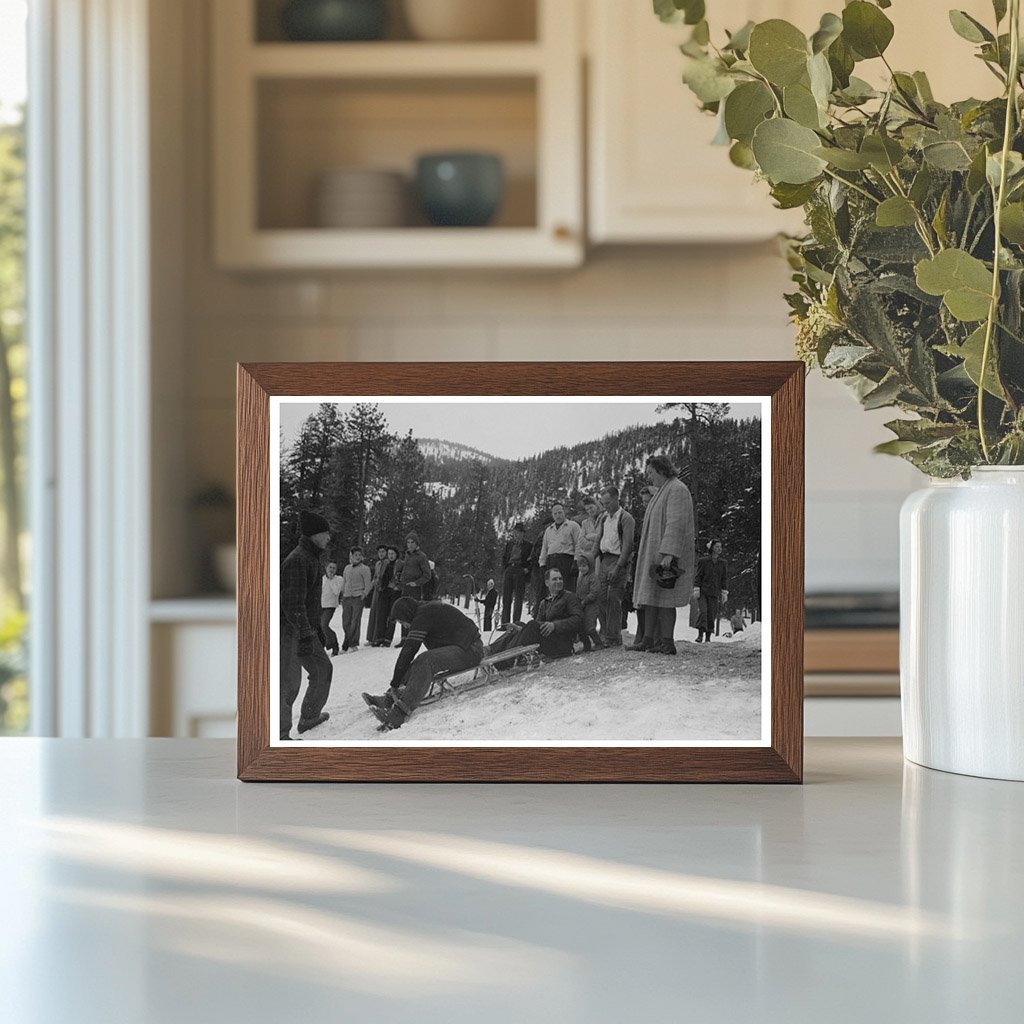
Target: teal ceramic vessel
{"type": "Point", "coordinates": [461, 190]}
{"type": "Point", "coordinates": [333, 21]}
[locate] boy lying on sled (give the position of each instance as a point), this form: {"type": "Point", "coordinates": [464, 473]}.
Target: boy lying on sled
{"type": "Point", "coordinates": [453, 644]}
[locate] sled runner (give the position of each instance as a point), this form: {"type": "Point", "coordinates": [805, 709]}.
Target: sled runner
{"type": "Point", "coordinates": [524, 659]}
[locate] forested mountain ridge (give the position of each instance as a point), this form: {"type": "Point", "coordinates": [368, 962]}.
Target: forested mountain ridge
{"type": "Point", "coordinates": [374, 486]}
{"type": "Point", "coordinates": [441, 450]}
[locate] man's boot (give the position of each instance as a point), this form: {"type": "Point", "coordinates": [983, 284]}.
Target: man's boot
{"type": "Point", "coordinates": [389, 718]}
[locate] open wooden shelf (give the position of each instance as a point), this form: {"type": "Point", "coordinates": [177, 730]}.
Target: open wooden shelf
{"type": "Point", "coordinates": [392, 60]}
{"type": "Point", "coordinates": [287, 113]}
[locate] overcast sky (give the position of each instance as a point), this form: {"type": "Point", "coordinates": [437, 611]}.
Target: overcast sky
{"type": "Point", "coordinates": [510, 430]}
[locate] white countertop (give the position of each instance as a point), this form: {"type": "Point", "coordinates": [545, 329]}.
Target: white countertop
{"type": "Point", "coordinates": [143, 884]}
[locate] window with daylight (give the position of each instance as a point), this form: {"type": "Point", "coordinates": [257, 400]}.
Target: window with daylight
{"type": "Point", "coordinates": [14, 547]}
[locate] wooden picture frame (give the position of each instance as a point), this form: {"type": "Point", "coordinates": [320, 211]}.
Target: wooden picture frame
{"type": "Point", "coordinates": [780, 386]}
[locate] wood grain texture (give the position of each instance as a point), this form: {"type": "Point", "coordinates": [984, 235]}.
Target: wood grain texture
{"type": "Point", "coordinates": [852, 650]}
{"type": "Point", "coordinates": [252, 483]}
{"type": "Point", "coordinates": [783, 382]}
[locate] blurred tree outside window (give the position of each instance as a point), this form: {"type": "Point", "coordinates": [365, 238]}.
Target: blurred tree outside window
{"type": "Point", "coordinates": [14, 691]}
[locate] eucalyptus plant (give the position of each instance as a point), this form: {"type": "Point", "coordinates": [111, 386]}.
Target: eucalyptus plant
{"type": "Point", "coordinates": [910, 278]}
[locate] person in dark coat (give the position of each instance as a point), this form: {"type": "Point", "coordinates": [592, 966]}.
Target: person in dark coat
{"type": "Point", "coordinates": [559, 618]}
{"type": "Point", "coordinates": [710, 584]}
{"type": "Point", "coordinates": [415, 575]}
{"type": "Point", "coordinates": [415, 569]}
{"type": "Point", "coordinates": [515, 571]}
{"type": "Point", "coordinates": [378, 569]}
{"type": "Point", "coordinates": [384, 596]}
{"type": "Point", "coordinates": [452, 643]}
{"type": "Point", "coordinates": [302, 639]}
{"type": "Point", "coordinates": [646, 493]}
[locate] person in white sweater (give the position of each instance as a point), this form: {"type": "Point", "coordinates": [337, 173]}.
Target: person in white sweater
{"type": "Point", "coordinates": [330, 598]}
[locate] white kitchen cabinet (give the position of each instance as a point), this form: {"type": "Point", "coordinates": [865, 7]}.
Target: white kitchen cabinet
{"type": "Point", "coordinates": [193, 667]}
{"type": "Point", "coordinates": [286, 113]}
{"type": "Point", "coordinates": [653, 174]}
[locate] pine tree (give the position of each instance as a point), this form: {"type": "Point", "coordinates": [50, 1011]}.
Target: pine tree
{"type": "Point", "coordinates": [368, 445]}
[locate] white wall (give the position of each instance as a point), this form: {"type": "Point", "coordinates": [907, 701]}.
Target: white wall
{"type": "Point", "coordinates": [655, 303]}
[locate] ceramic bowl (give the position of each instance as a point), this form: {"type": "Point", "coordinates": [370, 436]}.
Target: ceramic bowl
{"type": "Point", "coordinates": [460, 189]}
{"type": "Point", "coordinates": [471, 20]}
{"type": "Point", "coordinates": [334, 20]}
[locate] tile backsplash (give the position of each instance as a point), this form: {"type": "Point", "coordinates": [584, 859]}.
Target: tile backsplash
{"type": "Point", "coordinates": [719, 302]}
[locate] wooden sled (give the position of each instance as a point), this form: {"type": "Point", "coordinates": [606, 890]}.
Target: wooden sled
{"type": "Point", "coordinates": [525, 660]}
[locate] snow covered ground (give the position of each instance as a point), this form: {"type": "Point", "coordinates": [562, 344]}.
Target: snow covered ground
{"type": "Point", "coordinates": [707, 692]}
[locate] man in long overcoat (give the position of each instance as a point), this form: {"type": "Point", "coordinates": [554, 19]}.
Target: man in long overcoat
{"type": "Point", "coordinates": [666, 548]}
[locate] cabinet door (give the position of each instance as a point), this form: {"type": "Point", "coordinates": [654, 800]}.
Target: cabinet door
{"type": "Point", "coordinates": [653, 175]}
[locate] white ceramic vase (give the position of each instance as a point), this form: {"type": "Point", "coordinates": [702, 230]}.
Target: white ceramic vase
{"type": "Point", "coordinates": [962, 624]}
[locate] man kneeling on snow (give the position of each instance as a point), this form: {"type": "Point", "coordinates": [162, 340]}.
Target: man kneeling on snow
{"type": "Point", "coordinates": [559, 619]}
{"type": "Point", "coordinates": [452, 643]}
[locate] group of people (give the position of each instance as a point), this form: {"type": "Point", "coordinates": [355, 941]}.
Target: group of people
{"type": "Point", "coordinates": [598, 559]}
{"type": "Point", "coordinates": [590, 572]}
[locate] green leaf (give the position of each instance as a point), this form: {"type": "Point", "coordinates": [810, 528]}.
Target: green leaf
{"type": "Point", "coordinates": [745, 108]}
{"type": "Point", "coordinates": [895, 447]}
{"type": "Point", "coordinates": [924, 88]}
{"type": "Point", "coordinates": [707, 80]}
{"type": "Point", "coordinates": [830, 29]}
{"type": "Point", "coordinates": [866, 29]}
{"type": "Point", "coordinates": [946, 156]}
{"type": "Point", "coordinates": [923, 431]}
{"type": "Point", "coordinates": [896, 212]}
{"type": "Point", "coordinates": [1012, 223]}
{"type": "Point", "coordinates": [739, 41]}
{"type": "Point", "coordinates": [785, 152]}
{"type": "Point", "coordinates": [963, 281]}
{"type": "Point", "coordinates": [885, 394]}
{"type": "Point", "coordinates": [921, 186]}
{"type": "Point", "coordinates": [820, 76]}
{"type": "Point", "coordinates": [883, 153]}
{"type": "Point", "coordinates": [971, 352]}
{"type": "Point", "coordinates": [701, 33]}
{"type": "Point", "coordinates": [789, 197]}
{"type": "Point", "coordinates": [999, 6]}
{"type": "Point", "coordinates": [741, 155]}
{"type": "Point", "coordinates": [939, 220]}
{"type": "Point", "coordinates": [800, 105]}
{"type": "Point", "coordinates": [841, 60]}
{"type": "Point", "coordinates": [858, 91]}
{"type": "Point", "coordinates": [844, 159]}
{"type": "Point", "coordinates": [721, 137]}
{"type": "Point", "coordinates": [968, 28]}
{"type": "Point", "coordinates": [778, 50]}
{"type": "Point", "coordinates": [1014, 169]}
{"type": "Point", "coordinates": [679, 12]}
{"type": "Point", "coordinates": [976, 174]}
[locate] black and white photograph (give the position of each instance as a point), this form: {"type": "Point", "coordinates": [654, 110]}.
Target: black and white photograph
{"type": "Point", "coordinates": [520, 571]}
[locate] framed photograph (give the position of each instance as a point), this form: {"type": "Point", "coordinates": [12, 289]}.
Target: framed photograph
{"type": "Point", "coordinates": [520, 572]}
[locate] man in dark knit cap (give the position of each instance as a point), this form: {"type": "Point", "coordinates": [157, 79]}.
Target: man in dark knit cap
{"type": "Point", "coordinates": [452, 643]}
{"type": "Point", "coordinates": [302, 641]}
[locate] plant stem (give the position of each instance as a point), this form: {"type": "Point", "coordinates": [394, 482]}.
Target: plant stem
{"type": "Point", "coordinates": [993, 309]}
{"type": "Point", "coordinates": [922, 225]}
{"type": "Point", "coordinates": [850, 184]}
